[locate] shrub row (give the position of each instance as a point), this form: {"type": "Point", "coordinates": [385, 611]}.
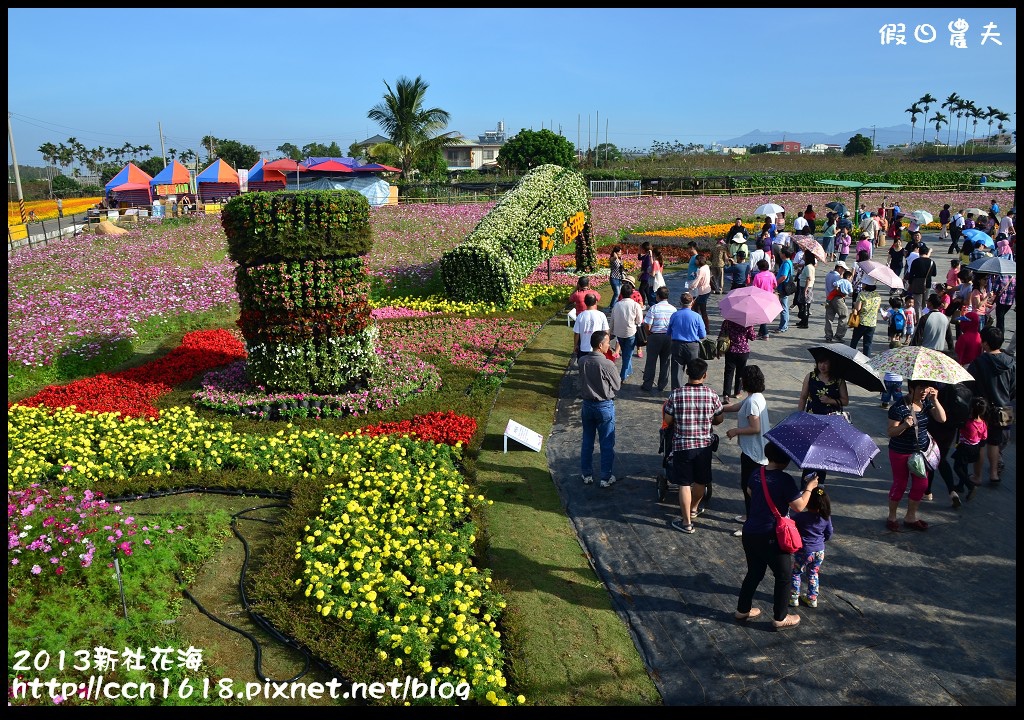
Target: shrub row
{"type": "Point", "coordinates": [264, 227]}
{"type": "Point", "coordinates": [549, 204]}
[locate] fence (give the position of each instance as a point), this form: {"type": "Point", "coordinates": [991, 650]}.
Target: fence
{"type": "Point", "coordinates": [614, 188]}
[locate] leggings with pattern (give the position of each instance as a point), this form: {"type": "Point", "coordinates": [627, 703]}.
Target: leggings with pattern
{"type": "Point", "coordinates": [806, 564]}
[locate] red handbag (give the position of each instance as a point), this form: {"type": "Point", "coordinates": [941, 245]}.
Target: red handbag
{"type": "Point", "coordinates": [786, 531]}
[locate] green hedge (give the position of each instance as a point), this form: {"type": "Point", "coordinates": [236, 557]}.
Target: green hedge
{"type": "Point", "coordinates": [506, 245]}
{"type": "Point", "coordinates": [264, 227]}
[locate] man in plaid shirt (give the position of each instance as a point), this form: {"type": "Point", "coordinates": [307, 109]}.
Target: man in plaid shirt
{"type": "Point", "coordinates": [692, 409]}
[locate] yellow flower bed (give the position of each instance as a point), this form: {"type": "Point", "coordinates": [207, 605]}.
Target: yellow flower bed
{"type": "Point", "coordinates": [701, 232]}
{"type": "Point", "coordinates": [390, 550]}
{"type": "Point", "coordinates": [523, 298]}
{"type": "Point", "coordinates": [47, 209]}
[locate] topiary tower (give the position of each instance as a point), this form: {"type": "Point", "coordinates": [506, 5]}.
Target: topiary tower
{"type": "Point", "coordinates": [550, 204]}
{"type": "Point", "coordinates": [302, 287]}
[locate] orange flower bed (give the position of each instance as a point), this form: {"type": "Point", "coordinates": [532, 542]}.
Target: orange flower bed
{"type": "Point", "coordinates": [701, 232]}
{"type": "Point", "coordinates": [47, 209]}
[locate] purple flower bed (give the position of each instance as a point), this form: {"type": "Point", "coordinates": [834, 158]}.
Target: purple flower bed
{"type": "Point", "coordinates": [400, 376]}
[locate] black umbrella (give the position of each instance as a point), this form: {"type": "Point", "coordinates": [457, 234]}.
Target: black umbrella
{"type": "Point", "coordinates": [837, 207]}
{"type": "Point", "coordinates": [994, 266]}
{"type": "Point", "coordinates": [849, 364]}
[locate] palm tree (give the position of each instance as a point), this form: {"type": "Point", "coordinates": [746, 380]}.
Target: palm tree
{"type": "Point", "coordinates": [50, 153]}
{"type": "Point", "coordinates": [927, 101]}
{"type": "Point", "coordinates": [210, 143]}
{"type": "Point", "coordinates": [914, 111]}
{"type": "Point", "coordinates": [990, 114]}
{"type": "Point", "coordinates": [951, 102]}
{"type": "Point", "coordinates": [976, 114]}
{"type": "Point", "coordinates": [414, 130]}
{"type": "Point", "coordinates": [963, 111]}
{"type": "Point", "coordinates": [962, 107]}
{"type": "Point", "coordinates": [939, 119]}
{"type": "Point", "coordinates": [1002, 118]}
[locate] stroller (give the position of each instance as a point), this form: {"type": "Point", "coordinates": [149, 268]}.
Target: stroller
{"type": "Point", "coordinates": [665, 449]}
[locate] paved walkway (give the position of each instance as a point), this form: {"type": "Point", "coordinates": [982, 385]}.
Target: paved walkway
{"type": "Point", "coordinates": [904, 618]}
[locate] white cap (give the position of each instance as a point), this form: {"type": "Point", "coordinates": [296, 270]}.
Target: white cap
{"type": "Point", "coordinates": [843, 265]}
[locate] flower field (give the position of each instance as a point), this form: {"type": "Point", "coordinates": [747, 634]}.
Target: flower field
{"type": "Point", "coordinates": [126, 377]}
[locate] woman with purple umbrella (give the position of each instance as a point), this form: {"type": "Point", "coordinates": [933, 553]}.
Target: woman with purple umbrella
{"type": "Point", "coordinates": [908, 434]}
{"type": "Point", "coordinates": [823, 394]}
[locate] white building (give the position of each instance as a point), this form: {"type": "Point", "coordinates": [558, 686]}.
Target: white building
{"type": "Point", "coordinates": [820, 149]}
{"type": "Point", "coordinates": [476, 155]}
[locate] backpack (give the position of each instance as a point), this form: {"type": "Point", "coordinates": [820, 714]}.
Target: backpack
{"type": "Point", "coordinates": [956, 401]}
{"type": "Point", "coordinates": [898, 321]}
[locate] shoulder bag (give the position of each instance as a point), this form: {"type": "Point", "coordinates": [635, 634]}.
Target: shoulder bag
{"type": "Point", "coordinates": [641, 335]}
{"type": "Point", "coordinates": [785, 528]}
{"type": "Point", "coordinates": [853, 320]}
{"type": "Point", "coordinates": [707, 349]}
{"type": "Point", "coordinates": [723, 345]}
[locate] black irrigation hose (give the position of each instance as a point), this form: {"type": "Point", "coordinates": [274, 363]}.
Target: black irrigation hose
{"type": "Point", "coordinates": [257, 648]}
{"type": "Point", "coordinates": [257, 618]}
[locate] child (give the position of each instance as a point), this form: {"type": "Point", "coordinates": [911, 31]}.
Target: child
{"type": "Point", "coordinates": [973, 435]}
{"type": "Point", "coordinates": [815, 525]}
{"type": "Point", "coordinates": [953, 274]}
{"type": "Point", "coordinates": [893, 392]}
{"type": "Point", "coordinates": [897, 320]}
{"type": "Point", "coordinates": [910, 314]}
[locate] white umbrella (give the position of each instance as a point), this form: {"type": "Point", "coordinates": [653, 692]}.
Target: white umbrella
{"type": "Point", "coordinates": [923, 216]}
{"type": "Point", "coordinates": [769, 209]}
{"type": "Point", "coordinates": [976, 212]}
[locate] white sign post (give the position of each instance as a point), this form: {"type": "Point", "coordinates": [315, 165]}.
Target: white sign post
{"type": "Point", "coordinates": [523, 435]}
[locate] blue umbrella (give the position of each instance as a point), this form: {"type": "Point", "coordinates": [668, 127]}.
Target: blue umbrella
{"type": "Point", "coordinates": [824, 442]}
{"type": "Point", "coordinates": [979, 237]}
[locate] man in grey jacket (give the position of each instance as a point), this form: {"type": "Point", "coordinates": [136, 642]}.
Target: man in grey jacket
{"type": "Point", "coordinates": [599, 383]}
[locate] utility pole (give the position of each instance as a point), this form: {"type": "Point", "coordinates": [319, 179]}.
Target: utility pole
{"type": "Point", "coordinates": [872, 137]}
{"type": "Point", "coordinates": [17, 173]}
{"type": "Point", "coordinates": [579, 120]}
{"type": "Point", "coordinates": [597, 136]}
{"type": "Point", "coordinates": [163, 152]}
{"type": "Point", "coordinates": [606, 142]}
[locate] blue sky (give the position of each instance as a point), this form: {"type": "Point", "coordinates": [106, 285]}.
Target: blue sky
{"type": "Point", "coordinates": [266, 77]}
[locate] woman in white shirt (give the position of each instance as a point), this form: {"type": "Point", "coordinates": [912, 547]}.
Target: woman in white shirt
{"type": "Point", "coordinates": [701, 289]}
{"type": "Point", "coordinates": [805, 290]}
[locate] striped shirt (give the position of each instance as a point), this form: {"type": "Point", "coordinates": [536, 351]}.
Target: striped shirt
{"type": "Point", "coordinates": [658, 315]}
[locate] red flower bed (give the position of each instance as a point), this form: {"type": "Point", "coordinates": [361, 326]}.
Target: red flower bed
{"type": "Point", "coordinates": [440, 427]}
{"type": "Point", "coordinates": [132, 392]}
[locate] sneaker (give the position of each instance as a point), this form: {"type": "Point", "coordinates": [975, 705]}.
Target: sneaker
{"type": "Point", "coordinates": [588, 479]}
{"type": "Point", "coordinates": [790, 621]}
{"type": "Point", "coordinates": [738, 533]}
{"type": "Point", "coordinates": [740, 518]}
{"type": "Point", "coordinates": [809, 601]}
{"type": "Point", "coordinates": [609, 482]}
{"type": "Point", "coordinates": [794, 600]}
{"type": "Point", "coordinates": [955, 498]}
{"type": "Point", "coordinates": [928, 496]}
{"type": "Point", "coordinates": [678, 525]}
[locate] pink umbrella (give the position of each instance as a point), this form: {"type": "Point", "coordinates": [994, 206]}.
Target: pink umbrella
{"type": "Point", "coordinates": [809, 244]}
{"type": "Point", "coordinates": [882, 273]}
{"type": "Point", "coordinates": [750, 305]}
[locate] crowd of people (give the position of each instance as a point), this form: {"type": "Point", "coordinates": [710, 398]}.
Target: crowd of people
{"type": "Point", "coordinates": [962, 317]}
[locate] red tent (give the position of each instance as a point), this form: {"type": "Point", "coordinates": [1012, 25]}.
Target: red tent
{"type": "Point", "coordinates": [332, 166]}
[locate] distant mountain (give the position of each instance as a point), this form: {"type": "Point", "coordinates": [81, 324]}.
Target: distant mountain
{"type": "Point", "coordinates": [884, 136]}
